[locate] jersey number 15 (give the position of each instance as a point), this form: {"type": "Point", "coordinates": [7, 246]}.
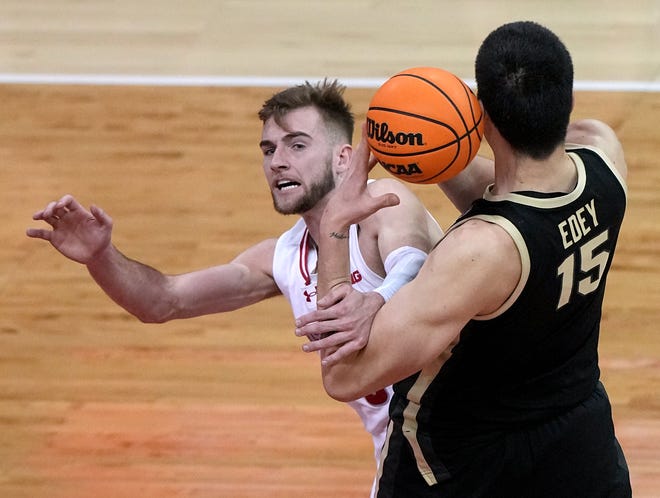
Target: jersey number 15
{"type": "Point", "coordinates": [590, 259]}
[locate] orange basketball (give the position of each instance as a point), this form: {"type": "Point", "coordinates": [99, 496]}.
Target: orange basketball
{"type": "Point", "coordinates": [424, 125]}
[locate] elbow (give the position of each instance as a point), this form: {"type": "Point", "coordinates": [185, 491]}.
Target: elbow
{"type": "Point", "coordinates": [164, 307]}
{"type": "Point", "coordinates": [156, 313]}
{"type": "Point", "coordinates": [340, 394]}
{"type": "Point", "coordinates": [340, 391]}
{"type": "Point", "coordinates": [151, 318]}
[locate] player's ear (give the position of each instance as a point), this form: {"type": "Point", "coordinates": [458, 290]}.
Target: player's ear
{"type": "Point", "coordinates": [345, 154]}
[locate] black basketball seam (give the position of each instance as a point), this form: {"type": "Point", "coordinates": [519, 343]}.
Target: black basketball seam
{"type": "Point", "coordinates": [453, 104]}
{"type": "Point", "coordinates": [449, 99]}
{"type": "Point", "coordinates": [468, 93]}
{"type": "Point", "coordinates": [412, 115]}
{"type": "Point", "coordinates": [418, 153]}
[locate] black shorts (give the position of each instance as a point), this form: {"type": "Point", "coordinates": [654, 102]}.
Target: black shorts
{"type": "Point", "coordinates": [573, 455]}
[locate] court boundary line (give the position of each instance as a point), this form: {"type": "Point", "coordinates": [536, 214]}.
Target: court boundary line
{"type": "Point", "coordinates": [267, 81]}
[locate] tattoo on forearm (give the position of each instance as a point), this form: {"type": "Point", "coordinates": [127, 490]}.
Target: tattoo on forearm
{"type": "Point", "coordinates": [336, 235]}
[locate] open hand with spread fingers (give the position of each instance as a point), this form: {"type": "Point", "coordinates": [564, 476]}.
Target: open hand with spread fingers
{"type": "Point", "coordinates": [77, 233]}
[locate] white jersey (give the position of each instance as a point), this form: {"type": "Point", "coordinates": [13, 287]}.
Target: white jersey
{"type": "Point", "coordinates": [294, 271]}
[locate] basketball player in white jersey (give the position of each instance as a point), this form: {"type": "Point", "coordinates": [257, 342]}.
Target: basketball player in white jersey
{"type": "Point", "coordinates": [306, 146]}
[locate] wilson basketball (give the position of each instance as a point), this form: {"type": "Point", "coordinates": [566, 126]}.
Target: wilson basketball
{"type": "Point", "coordinates": [424, 125]}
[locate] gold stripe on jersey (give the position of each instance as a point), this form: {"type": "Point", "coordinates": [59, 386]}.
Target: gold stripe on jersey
{"type": "Point", "coordinates": [601, 154]}
{"type": "Point", "coordinates": [525, 263]}
{"type": "Point", "coordinates": [545, 202]}
{"type": "Point", "coordinates": [386, 445]}
{"type": "Point", "coordinates": [409, 427]}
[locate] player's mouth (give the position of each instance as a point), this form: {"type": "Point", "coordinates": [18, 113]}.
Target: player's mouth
{"type": "Point", "coordinates": [284, 185]}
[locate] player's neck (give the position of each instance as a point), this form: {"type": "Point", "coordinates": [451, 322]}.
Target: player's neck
{"type": "Point", "coordinates": [516, 173]}
{"type": "Point", "coordinates": [312, 221]}
{"type": "Point", "coordinates": [313, 217]}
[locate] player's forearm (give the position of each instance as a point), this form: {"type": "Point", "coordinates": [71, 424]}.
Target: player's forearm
{"type": "Point", "coordinates": [333, 265]}
{"type": "Point", "coordinates": [470, 184]}
{"type": "Point", "coordinates": [366, 370]}
{"type": "Point", "coordinates": [138, 288]}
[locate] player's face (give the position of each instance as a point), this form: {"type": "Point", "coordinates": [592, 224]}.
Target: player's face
{"type": "Point", "coordinates": [298, 159]}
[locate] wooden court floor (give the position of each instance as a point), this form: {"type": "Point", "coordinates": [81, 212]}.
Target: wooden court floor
{"type": "Point", "coordinates": [95, 404]}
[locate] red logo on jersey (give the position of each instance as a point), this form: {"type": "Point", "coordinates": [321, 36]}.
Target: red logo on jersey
{"type": "Point", "coordinates": [377, 398]}
{"type": "Point", "coordinates": [310, 295]}
{"type": "Point", "coordinates": [355, 277]}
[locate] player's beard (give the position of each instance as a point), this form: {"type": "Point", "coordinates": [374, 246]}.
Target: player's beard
{"type": "Point", "coordinates": [317, 191]}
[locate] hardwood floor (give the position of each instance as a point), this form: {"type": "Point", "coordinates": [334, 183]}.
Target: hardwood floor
{"type": "Point", "coordinates": [94, 403]}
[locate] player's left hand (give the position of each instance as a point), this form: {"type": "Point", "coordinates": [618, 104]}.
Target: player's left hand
{"type": "Point", "coordinates": [343, 320]}
{"type": "Point", "coordinates": [351, 202]}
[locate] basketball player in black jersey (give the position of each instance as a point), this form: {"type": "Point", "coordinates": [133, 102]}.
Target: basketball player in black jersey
{"type": "Point", "coordinates": [493, 347]}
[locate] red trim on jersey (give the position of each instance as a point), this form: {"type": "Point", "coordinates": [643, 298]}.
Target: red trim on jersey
{"type": "Point", "coordinates": [302, 257]}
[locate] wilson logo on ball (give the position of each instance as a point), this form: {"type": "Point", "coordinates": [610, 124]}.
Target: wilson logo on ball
{"type": "Point", "coordinates": [381, 133]}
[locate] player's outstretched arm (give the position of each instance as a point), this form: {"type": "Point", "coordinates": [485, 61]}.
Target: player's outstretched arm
{"type": "Point", "coordinates": [85, 236]}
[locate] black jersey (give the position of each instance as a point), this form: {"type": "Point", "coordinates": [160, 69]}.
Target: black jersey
{"type": "Point", "coordinates": [528, 364]}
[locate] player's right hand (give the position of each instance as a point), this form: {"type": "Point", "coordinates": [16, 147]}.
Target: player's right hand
{"type": "Point", "coordinates": [77, 233]}
{"type": "Point", "coordinates": [342, 323]}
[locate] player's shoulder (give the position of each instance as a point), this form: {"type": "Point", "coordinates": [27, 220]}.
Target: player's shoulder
{"type": "Point", "coordinates": [585, 131]}
{"type": "Point", "coordinates": [383, 185]}
{"type": "Point", "coordinates": [409, 214]}
{"type": "Point", "coordinates": [258, 257]}
{"type": "Point", "coordinates": [409, 208]}
{"type": "Point", "coordinates": [476, 236]}
{"type": "Point", "coordinates": [478, 253]}
{"type": "Point", "coordinates": [599, 135]}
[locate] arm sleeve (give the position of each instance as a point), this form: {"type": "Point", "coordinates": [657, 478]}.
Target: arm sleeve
{"type": "Point", "coordinates": [401, 266]}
